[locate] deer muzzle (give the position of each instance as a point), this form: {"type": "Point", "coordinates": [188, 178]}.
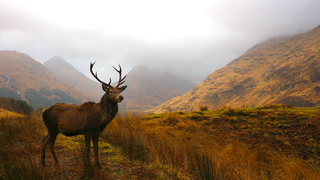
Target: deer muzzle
{"type": "Point", "coordinates": [120, 98]}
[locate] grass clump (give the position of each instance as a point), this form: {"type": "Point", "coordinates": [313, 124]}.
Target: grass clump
{"type": "Point", "coordinates": [24, 168]}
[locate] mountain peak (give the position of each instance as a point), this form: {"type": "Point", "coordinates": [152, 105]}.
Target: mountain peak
{"type": "Point", "coordinates": [29, 80]}
{"type": "Point", "coordinates": [56, 62]}
{"type": "Point", "coordinates": [67, 72]}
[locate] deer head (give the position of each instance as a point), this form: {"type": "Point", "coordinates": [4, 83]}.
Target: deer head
{"type": "Point", "coordinates": [113, 93]}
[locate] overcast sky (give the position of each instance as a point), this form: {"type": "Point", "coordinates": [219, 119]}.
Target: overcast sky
{"type": "Point", "coordinates": [190, 38]}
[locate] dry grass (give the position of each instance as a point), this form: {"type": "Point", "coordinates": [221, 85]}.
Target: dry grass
{"type": "Point", "coordinates": [188, 150]}
{"type": "Point", "coordinates": [174, 145]}
{"type": "Point", "coordinates": [19, 141]}
{"type": "Point", "coordinates": [6, 114]}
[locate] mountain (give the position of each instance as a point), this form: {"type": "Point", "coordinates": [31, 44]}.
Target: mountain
{"type": "Point", "coordinates": [68, 73]}
{"type": "Point", "coordinates": [147, 89]}
{"type": "Point", "coordinates": [268, 42]}
{"type": "Point", "coordinates": [283, 72]}
{"type": "Point", "coordinates": [22, 77]}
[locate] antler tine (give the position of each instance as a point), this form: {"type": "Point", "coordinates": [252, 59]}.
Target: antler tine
{"type": "Point", "coordinates": [96, 75]}
{"type": "Point", "coordinates": [109, 84]}
{"type": "Point", "coordinates": [121, 80]}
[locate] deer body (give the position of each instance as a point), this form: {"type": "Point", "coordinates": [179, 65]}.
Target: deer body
{"type": "Point", "coordinates": [88, 119]}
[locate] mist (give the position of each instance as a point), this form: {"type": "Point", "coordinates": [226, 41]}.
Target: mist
{"type": "Point", "coordinates": [190, 39]}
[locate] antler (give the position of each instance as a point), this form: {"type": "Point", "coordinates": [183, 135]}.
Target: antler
{"type": "Point", "coordinates": [121, 80]}
{"type": "Point", "coordinates": [96, 75]}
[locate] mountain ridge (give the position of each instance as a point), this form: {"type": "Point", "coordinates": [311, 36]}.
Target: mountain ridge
{"type": "Point", "coordinates": [284, 72]}
{"type": "Point", "coordinates": [29, 80]}
{"type": "Point", "coordinates": [147, 89]}
{"type": "Point", "coordinates": [68, 73]}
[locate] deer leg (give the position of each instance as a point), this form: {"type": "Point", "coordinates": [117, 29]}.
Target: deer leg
{"type": "Point", "coordinates": [51, 145]}
{"type": "Point", "coordinates": [43, 150]}
{"type": "Point", "coordinates": [95, 138]}
{"type": "Point", "coordinates": [87, 139]}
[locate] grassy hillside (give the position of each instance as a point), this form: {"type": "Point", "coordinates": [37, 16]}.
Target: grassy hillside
{"type": "Point", "coordinates": [293, 131]}
{"type": "Point", "coordinates": [5, 114]}
{"type": "Point", "coordinates": [268, 142]}
{"type": "Point", "coordinates": [284, 72]}
{"type": "Point", "coordinates": [22, 77]}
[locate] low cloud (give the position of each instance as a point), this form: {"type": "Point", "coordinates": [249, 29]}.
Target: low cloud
{"type": "Point", "coordinates": [234, 27]}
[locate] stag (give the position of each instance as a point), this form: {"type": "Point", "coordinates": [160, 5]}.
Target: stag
{"type": "Point", "coordinates": [88, 119]}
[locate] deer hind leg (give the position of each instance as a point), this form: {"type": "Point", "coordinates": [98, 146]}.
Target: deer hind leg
{"type": "Point", "coordinates": [51, 145]}
{"type": "Point", "coordinates": [95, 138]}
{"type": "Point", "coordinates": [43, 150]}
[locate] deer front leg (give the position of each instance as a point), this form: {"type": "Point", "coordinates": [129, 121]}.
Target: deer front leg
{"type": "Point", "coordinates": [95, 138]}
{"type": "Point", "coordinates": [87, 139]}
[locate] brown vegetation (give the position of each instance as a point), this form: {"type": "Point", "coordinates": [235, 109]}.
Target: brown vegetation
{"type": "Point", "coordinates": [268, 142]}
{"type": "Point", "coordinates": [225, 144]}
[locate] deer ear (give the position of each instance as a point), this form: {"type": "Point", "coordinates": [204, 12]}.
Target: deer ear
{"type": "Point", "coordinates": [105, 87]}
{"type": "Point", "coordinates": [122, 88]}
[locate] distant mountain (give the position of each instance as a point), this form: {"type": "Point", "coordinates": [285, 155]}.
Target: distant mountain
{"type": "Point", "coordinates": [22, 77]}
{"type": "Point", "coordinates": [147, 89]}
{"type": "Point", "coordinates": [282, 72]}
{"type": "Point", "coordinates": [68, 73]}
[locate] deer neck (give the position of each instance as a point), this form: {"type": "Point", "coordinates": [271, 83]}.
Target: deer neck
{"type": "Point", "coordinates": [108, 107]}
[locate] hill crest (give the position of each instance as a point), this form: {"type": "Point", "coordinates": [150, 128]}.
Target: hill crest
{"type": "Point", "coordinates": [24, 78]}
{"type": "Point", "coordinates": [284, 72]}
{"type": "Point", "coordinates": [68, 73]}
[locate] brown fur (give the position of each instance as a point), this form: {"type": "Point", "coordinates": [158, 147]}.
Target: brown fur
{"type": "Point", "coordinates": [89, 119]}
